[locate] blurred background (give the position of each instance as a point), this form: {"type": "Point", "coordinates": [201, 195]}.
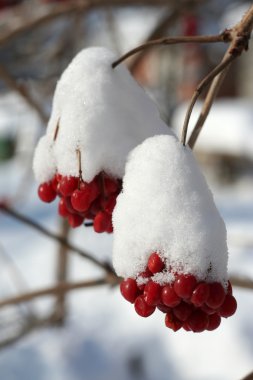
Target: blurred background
{"type": "Point", "coordinates": [92, 333]}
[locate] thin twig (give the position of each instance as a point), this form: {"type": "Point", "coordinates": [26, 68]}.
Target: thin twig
{"type": "Point", "coordinates": [209, 99]}
{"type": "Point", "coordinates": [242, 282]}
{"type": "Point", "coordinates": [204, 83]}
{"type": "Point", "coordinates": [7, 210]}
{"type": "Point", "coordinates": [248, 377]}
{"type": "Point", "coordinates": [23, 92]}
{"type": "Point", "coordinates": [66, 9]}
{"type": "Point", "coordinates": [223, 37]}
{"type": "Point", "coordinates": [62, 272]}
{"type": "Point", "coordinates": [239, 37]}
{"type": "Point", "coordinates": [159, 30]}
{"type": "Point", "coordinates": [63, 287]}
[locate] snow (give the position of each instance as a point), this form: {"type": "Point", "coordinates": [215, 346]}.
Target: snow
{"type": "Point", "coordinates": [103, 334]}
{"type": "Point", "coordinates": [102, 112]}
{"type": "Point", "coordinates": [228, 128]}
{"type": "Point", "coordinates": [167, 207]}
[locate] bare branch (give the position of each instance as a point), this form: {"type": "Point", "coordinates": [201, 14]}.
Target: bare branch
{"type": "Point", "coordinates": [248, 377]}
{"type": "Point", "coordinates": [240, 35]}
{"type": "Point", "coordinates": [23, 92]}
{"type": "Point", "coordinates": [204, 83]}
{"type": "Point", "coordinates": [61, 274]}
{"type": "Point", "coordinates": [63, 287]}
{"type": "Point", "coordinates": [173, 41]}
{"type": "Point", "coordinates": [48, 14]}
{"type": "Point", "coordinates": [241, 282]}
{"type": "Point", "coordinates": [58, 238]}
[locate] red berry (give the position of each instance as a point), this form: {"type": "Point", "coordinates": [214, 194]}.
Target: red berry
{"type": "Point", "coordinates": [109, 229]}
{"type": "Point", "coordinates": [108, 204]}
{"type": "Point", "coordinates": [92, 188]}
{"type": "Point", "coordinates": [142, 308]}
{"type": "Point", "coordinates": [129, 289]}
{"type": "Point", "coordinates": [67, 185]}
{"type": "Point", "coordinates": [80, 200]}
{"type": "Point", "coordinates": [155, 263]}
{"type": "Point", "coordinates": [169, 297]}
{"type": "Point", "coordinates": [183, 311]}
{"type": "Point", "coordinates": [216, 295]}
{"type": "Point", "coordinates": [198, 321]}
{"type": "Point", "coordinates": [55, 183]}
{"type": "Point", "coordinates": [200, 294]}
{"type": "Point", "coordinates": [208, 310]}
{"type": "Point", "coordinates": [62, 209]}
{"type": "Point", "coordinates": [163, 308]}
{"type": "Point", "coordinates": [214, 322]}
{"type": "Point", "coordinates": [111, 185]}
{"type": "Point", "coordinates": [69, 206]}
{"type": "Point", "coordinates": [145, 274]}
{"type": "Point", "coordinates": [229, 288]}
{"type": "Point", "coordinates": [184, 285]}
{"type": "Point", "coordinates": [186, 327]}
{"type": "Point", "coordinates": [228, 307]}
{"type": "Point", "coordinates": [152, 293]}
{"type": "Point", "coordinates": [101, 222]}
{"type": "Point", "coordinates": [172, 322]}
{"type": "Point", "coordinates": [75, 220]}
{"type": "Point", "coordinates": [46, 192]}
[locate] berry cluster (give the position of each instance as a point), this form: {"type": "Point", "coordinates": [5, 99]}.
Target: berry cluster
{"type": "Point", "coordinates": [188, 304]}
{"type": "Point", "coordinates": [80, 200]}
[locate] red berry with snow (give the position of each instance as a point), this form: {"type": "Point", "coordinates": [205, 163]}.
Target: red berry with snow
{"type": "Point", "coordinates": [184, 285]}
{"type": "Point", "coordinates": [142, 308]}
{"type": "Point", "coordinates": [129, 289]}
{"type": "Point", "coordinates": [155, 263]}
{"type": "Point", "coordinates": [228, 307]}
{"type": "Point", "coordinates": [46, 192]}
{"type": "Point", "coordinates": [62, 208]}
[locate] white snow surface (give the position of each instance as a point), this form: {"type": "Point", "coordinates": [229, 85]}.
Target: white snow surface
{"type": "Point", "coordinates": [166, 206]}
{"type": "Point", "coordinates": [101, 111]}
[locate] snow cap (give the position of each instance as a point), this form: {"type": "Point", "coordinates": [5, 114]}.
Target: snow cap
{"type": "Point", "coordinates": [101, 111]}
{"type": "Point", "coordinates": [166, 206]}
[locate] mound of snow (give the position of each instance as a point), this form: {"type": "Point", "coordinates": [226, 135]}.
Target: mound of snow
{"type": "Point", "coordinates": [166, 206]}
{"type": "Point", "coordinates": [100, 111]}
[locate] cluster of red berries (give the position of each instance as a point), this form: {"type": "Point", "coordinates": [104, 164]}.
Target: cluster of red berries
{"type": "Point", "coordinates": [188, 304]}
{"type": "Point", "coordinates": [80, 200]}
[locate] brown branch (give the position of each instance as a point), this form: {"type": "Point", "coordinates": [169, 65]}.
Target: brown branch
{"type": "Point", "coordinates": [159, 30]}
{"type": "Point", "coordinates": [61, 10]}
{"type": "Point", "coordinates": [202, 85]}
{"type": "Point", "coordinates": [248, 377]}
{"type": "Point", "coordinates": [63, 287]}
{"type": "Point", "coordinates": [223, 37]}
{"type": "Point", "coordinates": [61, 274]}
{"type": "Point", "coordinates": [209, 99]}
{"type": "Point", "coordinates": [241, 282]}
{"type": "Point", "coordinates": [23, 92]}
{"type": "Point", "coordinates": [239, 37]}
{"type": "Point", "coordinates": [7, 210]}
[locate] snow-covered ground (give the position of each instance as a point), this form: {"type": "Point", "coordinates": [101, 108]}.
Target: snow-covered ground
{"type": "Point", "coordinates": [104, 338]}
